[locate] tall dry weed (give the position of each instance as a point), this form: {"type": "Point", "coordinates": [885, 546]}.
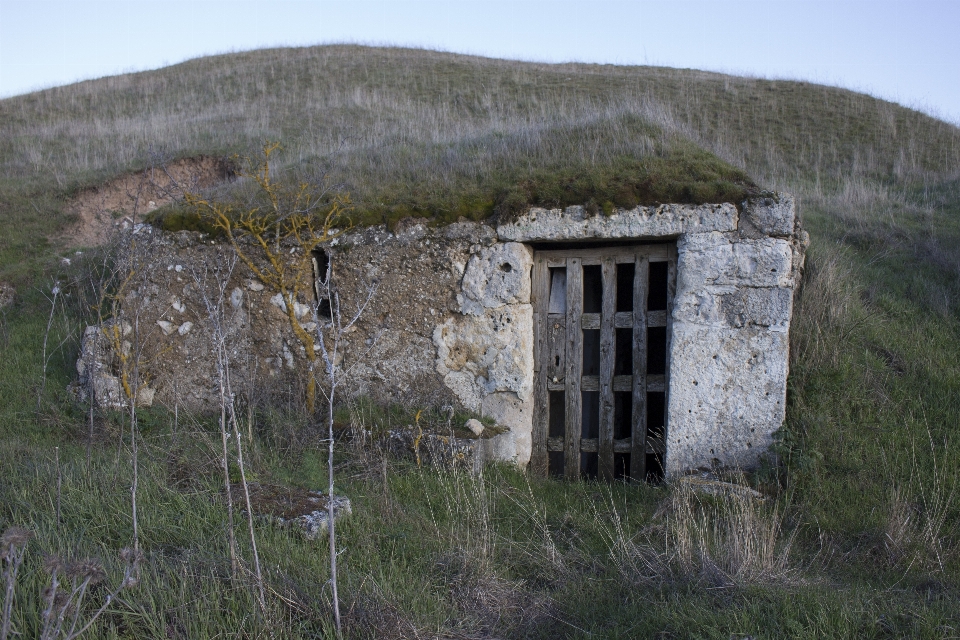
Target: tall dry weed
{"type": "Point", "coordinates": [827, 312]}
{"type": "Point", "coordinates": [718, 541]}
{"type": "Point", "coordinates": [918, 528]}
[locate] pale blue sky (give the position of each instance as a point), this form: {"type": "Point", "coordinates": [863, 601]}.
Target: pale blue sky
{"type": "Point", "coordinates": [904, 51]}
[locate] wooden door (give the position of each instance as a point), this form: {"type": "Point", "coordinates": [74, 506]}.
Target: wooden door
{"type": "Point", "coordinates": [602, 332]}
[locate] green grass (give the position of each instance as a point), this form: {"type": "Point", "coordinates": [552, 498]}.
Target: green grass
{"type": "Point", "coordinates": [868, 458]}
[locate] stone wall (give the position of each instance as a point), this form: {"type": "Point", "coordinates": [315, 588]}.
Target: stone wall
{"type": "Point", "coordinates": [450, 319]}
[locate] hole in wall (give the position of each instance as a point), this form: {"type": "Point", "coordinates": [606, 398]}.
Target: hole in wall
{"type": "Point", "coordinates": [555, 463]}
{"type": "Point", "coordinates": [589, 463]}
{"type": "Point", "coordinates": [321, 278]}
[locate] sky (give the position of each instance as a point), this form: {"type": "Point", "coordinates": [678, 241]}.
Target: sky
{"type": "Point", "coordinates": [906, 51]}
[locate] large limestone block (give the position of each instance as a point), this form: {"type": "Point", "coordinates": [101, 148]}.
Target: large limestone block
{"type": "Point", "coordinates": [573, 223]}
{"type": "Point", "coordinates": [735, 307]}
{"type": "Point", "coordinates": [509, 410]}
{"type": "Point", "coordinates": [496, 276]}
{"type": "Point", "coordinates": [727, 394]}
{"type": "Point", "coordinates": [771, 216]}
{"type": "Point", "coordinates": [718, 259]}
{"type": "Point", "coordinates": [489, 353]}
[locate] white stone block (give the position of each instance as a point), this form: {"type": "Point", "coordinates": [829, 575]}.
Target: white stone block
{"type": "Point", "coordinates": [573, 223]}
{"type": "Point", "coordinates": [496, 276]}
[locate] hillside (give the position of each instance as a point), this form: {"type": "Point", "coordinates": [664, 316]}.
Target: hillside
{"type": "Point", "coordinates": [865, 487]}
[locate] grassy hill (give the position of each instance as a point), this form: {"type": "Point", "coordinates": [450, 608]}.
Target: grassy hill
{"type": "Point", "coordinates": [864, 495]}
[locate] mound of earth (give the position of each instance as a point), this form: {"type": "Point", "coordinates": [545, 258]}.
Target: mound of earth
{"type": "Point", "coordinates": [123, 200]}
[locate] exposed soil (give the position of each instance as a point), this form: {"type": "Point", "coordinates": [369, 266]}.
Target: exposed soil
{"type": "Point", "coordinates": [123, 200]}
{"type": "Point", "coordinates": [280, 501]}
{"type": "Point", "coordinates": [6, 294]}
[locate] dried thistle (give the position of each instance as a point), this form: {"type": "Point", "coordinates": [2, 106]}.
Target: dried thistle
{"type": "Point", "coordinates": [14, 537]}
{"type": "Point", "coordinates": [86, 570]}
{"type": "Point", "coordinates": [52, 563]}
{"type": "Point", "coordinates": [131, 556]}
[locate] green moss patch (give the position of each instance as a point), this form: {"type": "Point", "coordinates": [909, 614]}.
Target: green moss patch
{"type": "Point", "coordinates": [604, 164]}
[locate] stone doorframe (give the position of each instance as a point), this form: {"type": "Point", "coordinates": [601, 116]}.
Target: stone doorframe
{"type": "Point", "coordinates": [736, 272]}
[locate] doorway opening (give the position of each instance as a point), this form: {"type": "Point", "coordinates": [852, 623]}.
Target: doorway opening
{"type": "Point", "coordinates": [602, 344]}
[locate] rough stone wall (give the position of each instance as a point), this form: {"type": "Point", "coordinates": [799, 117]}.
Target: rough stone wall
{"type": "Point", "coordinates": [450, 320]}
{"type": "Point", "coordinates": [729, 342]}
{"type": "Point", "coordinates": [485, 349]}
{"type": "Point", "coordinates": [389, 353]}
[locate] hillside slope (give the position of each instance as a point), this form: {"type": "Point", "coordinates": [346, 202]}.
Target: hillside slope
{"type": "Point", "coordinates": [866, 475]}
{"type": "Point", "coordinates": [431, 132]}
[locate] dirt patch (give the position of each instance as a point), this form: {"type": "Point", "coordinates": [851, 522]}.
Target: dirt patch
{"type": "Point", "coordinates": [291, 507]}
{"type": "Point", "coordinates": [116, 204]}
{"type": "Point", "coordinates": [6, 294]}
{"type": "Point", "coordinates": [281, 502]}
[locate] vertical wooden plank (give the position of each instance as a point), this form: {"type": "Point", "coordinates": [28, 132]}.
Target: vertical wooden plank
{"type": "Point", "coordinates": [607, 353]}
{"type": "Point", "coordinates": [641, 282]}
{"type": "Point", "coordinates": [554, 365]}
{"type": "Point", "coordinates": [571, 442]}
{"type": "Point", "coordinates": [541, 405]}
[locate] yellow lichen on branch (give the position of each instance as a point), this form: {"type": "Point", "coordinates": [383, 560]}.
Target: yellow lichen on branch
{"type": "Point", "coordinates": [274, 238]}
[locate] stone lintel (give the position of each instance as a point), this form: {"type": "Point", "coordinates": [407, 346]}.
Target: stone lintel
{"type": "Point", "coordinates": [664, 221]}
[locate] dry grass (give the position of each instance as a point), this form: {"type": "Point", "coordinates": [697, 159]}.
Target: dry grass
{"type": "Point", "coordinates": [717, 541]}
{"type": "Point", "coordinates": [427, 548]}
{"type": "Point", "coordinates": [920, 523]}
{"type": "Point", "coordinates": [828, 310]}
{"type": "Point", "coordinates": [384, 120]}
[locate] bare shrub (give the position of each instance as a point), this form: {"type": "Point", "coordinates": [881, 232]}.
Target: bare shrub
{"type": "Point", "coordinates": [71, 582]}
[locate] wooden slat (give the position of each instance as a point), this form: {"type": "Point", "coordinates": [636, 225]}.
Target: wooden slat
{"type": "Point", "coordinates": [623, 383]}
{"type": "Point", "coordinates": [623, 320]}
{"type": "Point", "coordinates": [656, 318]}
{"type": "Point", "coordinates": [623, 446]}
{"type": "Point", "coordinates": [656, 383]}
{"type": "Point", "coordinates": [638, 461]}
{"type": "Point", "coordinates": [590, 321]}
{"type": "Point", "coordinates": [555, 444]}
{"type": "Point", "coordinates": [574, 337]}
{"type": "Point", "coordinates": [540, 292]}
{"type": "Point", "coordinates": [607, 355]}
{"type": "Point", "coordinates": [591, 445]}
{"type": "Point", "coordinates": [590, 383]}
{"type": "Point", "coordinates": [654, 252]}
